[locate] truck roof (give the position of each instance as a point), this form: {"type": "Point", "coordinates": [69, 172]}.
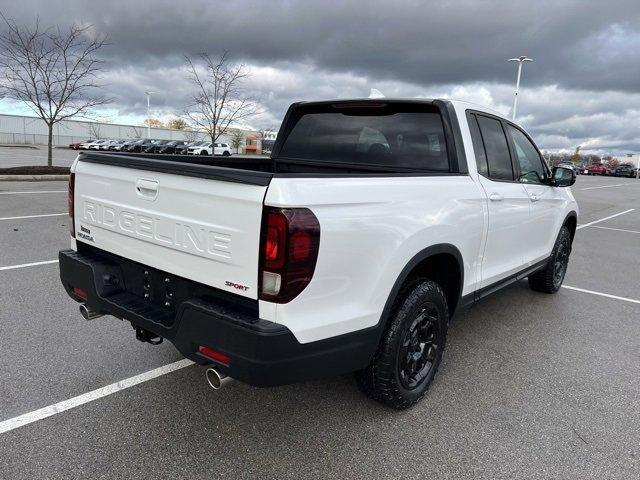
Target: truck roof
{"type": "Point", "coordinates": [430, 101]}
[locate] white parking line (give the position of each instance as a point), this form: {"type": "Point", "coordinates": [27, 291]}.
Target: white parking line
{"type": "Point", "coordinates": [27, 418]}
{"type": "Point", "coordinates": [609, 186]}
{"type": "Point", "coordinates": [605, 218]}
{"type": "Point", "coordinates": [615, 229]}
{"type": "Point", "coordinates": [34, 216]}
{"type": "Point", "coordinates": [615, 297]}
{"type": "Point", "coordinates": [13, 267]}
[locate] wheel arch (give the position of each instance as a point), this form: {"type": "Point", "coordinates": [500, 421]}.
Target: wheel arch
{"type": "Point", "coordinates": [441, 263]}
{"type": "Point", "coordinates": [571, 222]}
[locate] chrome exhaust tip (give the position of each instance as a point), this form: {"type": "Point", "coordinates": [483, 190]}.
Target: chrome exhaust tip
{"type": "Point", "coordinates": [87, 313]}
{"type": "Point", "coordinates": [215, 379]}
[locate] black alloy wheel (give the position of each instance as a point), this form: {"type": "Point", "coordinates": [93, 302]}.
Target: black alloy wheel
{"type": "Point", "coordinates": [420, 346]}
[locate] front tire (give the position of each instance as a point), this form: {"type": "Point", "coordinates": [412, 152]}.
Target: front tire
{"type": "Point", "coordinates": [549, 279]}
{"type": "Point", "coordinates": [411, 348]}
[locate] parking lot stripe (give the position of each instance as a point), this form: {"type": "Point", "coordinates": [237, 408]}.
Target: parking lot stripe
{"type": "Point", "coordinates": [27, 418]}
{"type": "Point", "coordinates": [36, 191]}
{"type": "Point", "coordinates": [34, 216]}
{"type": "Point", "coordinates": [605, 218]}
{"type": "Point", "coordinates": [609, 186]}
{"type": "Point", "coordinates": [13, 267]}
{"type": "Point", "coordinates": [615, 229]}
{"type": "Point", "coordinates": [608, 295]}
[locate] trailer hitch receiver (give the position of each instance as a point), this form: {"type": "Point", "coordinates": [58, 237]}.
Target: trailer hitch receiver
{"type": "Point", "coordinates": [146, 336]}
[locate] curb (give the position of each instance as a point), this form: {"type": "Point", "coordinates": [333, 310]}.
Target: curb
{"type": "Point", "coordinates": [7, 145]}
{"type": "Point", "coordinates": [32, 178]}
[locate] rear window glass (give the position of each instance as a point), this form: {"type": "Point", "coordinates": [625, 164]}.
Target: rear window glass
{"type": "Point", "coordinates": [391, 135]}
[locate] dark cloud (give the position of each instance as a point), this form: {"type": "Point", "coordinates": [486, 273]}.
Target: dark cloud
{"type": "Point", "coordinates": [587, 54]}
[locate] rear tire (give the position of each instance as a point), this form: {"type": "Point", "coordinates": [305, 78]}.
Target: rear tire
{"type": "Point", "coordinates": [550, 278]}
{"type": "Point", "coordinates": [411, 347]}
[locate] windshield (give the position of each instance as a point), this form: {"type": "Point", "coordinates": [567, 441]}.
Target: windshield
{"type": "Point", "coordinates": [377, 134]}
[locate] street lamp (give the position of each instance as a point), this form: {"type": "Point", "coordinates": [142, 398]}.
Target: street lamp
{"type": "Point", "coordinates": [521, 59]}
{"type": "Point", "coordinates": [148, 94]}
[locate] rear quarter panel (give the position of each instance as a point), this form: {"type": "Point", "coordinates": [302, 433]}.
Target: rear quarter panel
{"type": "Point", "coordinates": [370, 229]}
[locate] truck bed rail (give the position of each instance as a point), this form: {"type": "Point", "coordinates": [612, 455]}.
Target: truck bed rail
{"type": "Point", "coordinates": [181, 165]}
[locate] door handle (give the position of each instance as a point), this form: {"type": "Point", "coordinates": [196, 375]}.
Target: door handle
{"type": "Point", "coordinates": [495, 197]}
{"type": "Point", "coordinates": [147, 188]}
{"type": "Point", "coordinates": [533, 197]}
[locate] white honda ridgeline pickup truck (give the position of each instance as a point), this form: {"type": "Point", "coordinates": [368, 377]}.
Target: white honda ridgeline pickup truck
{"type": "Point", "coordinates": [349, 250]}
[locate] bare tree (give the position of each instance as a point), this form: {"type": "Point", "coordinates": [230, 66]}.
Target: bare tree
{"type": "Point", "coordinates": [94, 130]}
{"type": "Point", "coordinates": [218, 99]}
{"type": "Point", "coordinates": [237, 136]}
{"type": "Point", "coordinates": [53, 71]}
{"type": "Point", "coordinates": [191, 135]}
{"type": "Point", "coordinates": [136, 133]}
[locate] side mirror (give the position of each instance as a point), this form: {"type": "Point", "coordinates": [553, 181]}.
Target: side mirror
{"type": "Point", "coordinates": [563, 177]}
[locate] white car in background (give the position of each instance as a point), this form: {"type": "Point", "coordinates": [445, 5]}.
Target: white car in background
{"type": "Point", "coordinates": [87, 145]}
{"type": "Point", "coordinates": [108, 144]}
{"type": "Point", "coordinates": [206, 149]}
{"type": "Point", "coordinates": [117, 145]}
{"type": "Point", "coordinates": [97, 144]}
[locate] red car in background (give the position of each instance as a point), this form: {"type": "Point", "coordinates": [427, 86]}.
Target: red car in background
{"type": "Point", "coordinates": [597, 169]}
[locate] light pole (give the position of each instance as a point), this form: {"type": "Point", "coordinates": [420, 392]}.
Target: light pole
{"type": "Point", "coordinates": [521, 59]}
{"type": "Point", "coordinates": [148, 94]}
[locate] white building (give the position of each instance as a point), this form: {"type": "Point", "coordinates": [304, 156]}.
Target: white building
{"type": "Point", "coordinates": [21, 130]}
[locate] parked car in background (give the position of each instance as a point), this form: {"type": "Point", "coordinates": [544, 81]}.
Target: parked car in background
{"type": "Point", "coordinates": [128, 144]}
{"type": "Point", "coordinates": [87, 144]}
{"type": "Point", "coordinates": [117, 145]}
{"type": "Point", "coordinates": [183, 150]}
{"type": "Point", "coordinates": [97, 144]}
{"type": "Point", "coordinates": [76, 145]}
{"type": "Point", "coordinates": [211, 149]}
{"type": "Point", "coordinates": [107, 145]}
{"type": "Point", "coordinates": [222, 149]}
{"type": "Point", "coordinates": [570, 166]}
{"type": "Point", "coordinates": [111, 146]}
{"type": "Point", "coordinates": [624, 170]}
{"type": "Point", "coordinates": [597, 169]}
{"type": "Point", "coordinates": [140, 145]}
{"type": "Point", "coordinates": [171, 147]}
{"type": "Point", "coordinates": [155, 146]}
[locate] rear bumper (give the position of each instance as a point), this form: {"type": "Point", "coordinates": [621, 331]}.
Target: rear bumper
{"type": "Point", "coordinates": [261, 353]}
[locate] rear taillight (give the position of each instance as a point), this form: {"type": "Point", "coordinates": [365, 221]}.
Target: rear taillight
{"type": "Point", "coordinates": [72, 222]}
{"type": "Point", "coordinates": [288, 252]}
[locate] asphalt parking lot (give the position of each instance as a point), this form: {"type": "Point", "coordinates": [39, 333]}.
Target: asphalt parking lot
{"type": "Point", "coordinates": [532, 385]}
{"type": "Point", "coordinates": [23, 156]}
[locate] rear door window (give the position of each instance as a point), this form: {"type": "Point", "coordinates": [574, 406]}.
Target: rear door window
{"type": "Point", "coordinates": [401, 136]}
{"type": "Point", "coordinates": [478, 146]}
{"type": "Point", "coordinates": [496, 148]}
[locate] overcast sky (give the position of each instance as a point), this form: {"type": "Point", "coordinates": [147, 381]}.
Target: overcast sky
{"type": "Point", "coordinates": [582, 89]}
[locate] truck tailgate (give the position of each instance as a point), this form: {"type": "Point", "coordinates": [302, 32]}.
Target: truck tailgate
{"type": "Point", "coordinates": [204, 229]}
